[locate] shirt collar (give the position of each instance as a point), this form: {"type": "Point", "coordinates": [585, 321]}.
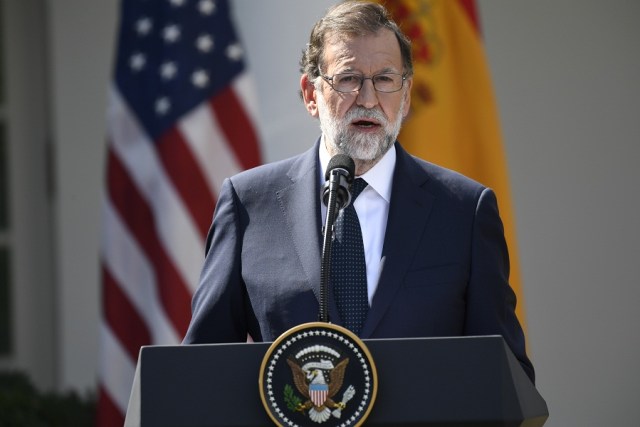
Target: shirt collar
{"type": "Point", "coordinates": [379, 177]}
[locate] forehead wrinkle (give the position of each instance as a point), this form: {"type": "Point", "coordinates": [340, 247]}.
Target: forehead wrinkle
{"type": "Point", "coordinates": [339, 54]}
{"type": "Point", "coordinates": [342, 55]}
{"type": "Point", "coordinates": [343, 63]}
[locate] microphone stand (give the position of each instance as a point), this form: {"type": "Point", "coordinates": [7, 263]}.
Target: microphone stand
{"type": "Point", "coordinates": [327, 243]}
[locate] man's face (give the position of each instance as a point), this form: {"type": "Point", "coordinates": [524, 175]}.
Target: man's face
{"type": "Point", "coordinates": [365, 123]}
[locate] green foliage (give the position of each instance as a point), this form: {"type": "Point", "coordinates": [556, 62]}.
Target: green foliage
{"type": "Point", "coordinates": [21, 404]}
{"type": "Point", "coordinates": [293, 402]}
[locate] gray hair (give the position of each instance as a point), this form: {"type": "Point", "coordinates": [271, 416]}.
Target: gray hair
{"type": "Point", "coordinates": [351, 18]}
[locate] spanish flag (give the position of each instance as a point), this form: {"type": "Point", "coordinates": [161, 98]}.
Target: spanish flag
{"type": "Point", "coordinates": [453, 119]}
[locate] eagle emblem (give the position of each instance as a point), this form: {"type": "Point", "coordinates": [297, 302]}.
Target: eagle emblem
{"type": "Point", "coordinates": [311, 374]}
{"type": "Point", "coordinates": [319, 381]}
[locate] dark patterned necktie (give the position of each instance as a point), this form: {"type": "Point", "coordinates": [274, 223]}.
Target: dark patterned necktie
{"type": "Point", "coordinates": [348, 267]}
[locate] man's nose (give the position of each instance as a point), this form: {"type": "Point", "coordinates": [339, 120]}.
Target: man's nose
{"type": "Point", "coordinates": [367, 95]}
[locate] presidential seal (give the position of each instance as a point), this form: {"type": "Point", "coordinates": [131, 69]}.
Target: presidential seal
{"type": "Point", "coordinates": [318, 374]}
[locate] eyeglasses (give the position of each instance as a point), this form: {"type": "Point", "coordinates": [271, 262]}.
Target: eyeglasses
{"type": "Point", "coordinates": [351, 82]}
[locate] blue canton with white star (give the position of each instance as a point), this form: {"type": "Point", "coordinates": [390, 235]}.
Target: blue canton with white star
{"type": "Point", "coordinates": [172, 56]}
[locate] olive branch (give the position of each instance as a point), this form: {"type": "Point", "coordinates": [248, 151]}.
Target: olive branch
{"type": "Point", "coordinates": [293, 402]}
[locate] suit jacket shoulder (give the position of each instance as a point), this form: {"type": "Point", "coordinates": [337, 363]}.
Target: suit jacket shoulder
{"type": "Point", "coordinates": [278, 174]}
{"type": "Point", "coordinates": [440, 180]}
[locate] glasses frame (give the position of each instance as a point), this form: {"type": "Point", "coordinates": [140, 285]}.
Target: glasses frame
{"type": "Point", "coordinates": [329, 79]}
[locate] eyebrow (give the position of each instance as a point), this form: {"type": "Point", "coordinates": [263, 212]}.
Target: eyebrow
{"type": "Point", "coordinates": [382, 71]}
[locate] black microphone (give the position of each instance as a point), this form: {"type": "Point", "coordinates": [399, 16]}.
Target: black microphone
{"type": "Point", "coordinates": [335, 196]}
{"type": "Point", "coordinates": [339, 175]}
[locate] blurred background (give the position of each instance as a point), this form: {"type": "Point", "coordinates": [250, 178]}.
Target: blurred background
{"type": "Point", "coordinates": [566, 79]}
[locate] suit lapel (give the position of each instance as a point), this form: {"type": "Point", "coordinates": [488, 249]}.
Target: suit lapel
{"type": "Point", "coordinates": [408, 214]}
{"type": "Point", "coordinates": [300, 203]}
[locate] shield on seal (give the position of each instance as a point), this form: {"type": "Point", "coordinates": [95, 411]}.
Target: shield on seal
{"type": "Point", "coordinates": [318, 393]}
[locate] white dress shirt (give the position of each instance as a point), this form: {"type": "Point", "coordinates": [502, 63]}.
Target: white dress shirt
{"type": "Point", "coordinates": [372, 207]}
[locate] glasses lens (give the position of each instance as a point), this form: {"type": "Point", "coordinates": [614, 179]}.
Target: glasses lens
{"type": "Point", "coordinates": [347, 82]}
{"type": "Point", "coordinates": [388, 82]}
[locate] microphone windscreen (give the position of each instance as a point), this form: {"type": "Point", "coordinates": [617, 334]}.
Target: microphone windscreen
{"type": "Point", "coordinates": [341, 161]}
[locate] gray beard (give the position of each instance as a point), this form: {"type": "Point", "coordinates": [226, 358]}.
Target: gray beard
{"type": "Point", "coordinates": [342, 140]}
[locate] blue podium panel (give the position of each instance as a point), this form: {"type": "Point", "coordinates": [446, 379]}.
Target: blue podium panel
{"type": "Point", "coordinates": [452, 382]}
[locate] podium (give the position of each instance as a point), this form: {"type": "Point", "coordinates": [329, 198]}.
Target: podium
{"type": "Point", "coordinates": [461, 381]}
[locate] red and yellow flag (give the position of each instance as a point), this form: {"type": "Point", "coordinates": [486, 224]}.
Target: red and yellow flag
{"type": "Point", "coordinates": [454, 120]}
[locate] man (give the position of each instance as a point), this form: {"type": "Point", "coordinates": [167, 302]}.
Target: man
{"type": "Point", "coordinates": [436, 258]}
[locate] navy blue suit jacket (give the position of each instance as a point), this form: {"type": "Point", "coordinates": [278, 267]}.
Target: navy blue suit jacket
{"type": "Point", "coordinates": [445, 264]}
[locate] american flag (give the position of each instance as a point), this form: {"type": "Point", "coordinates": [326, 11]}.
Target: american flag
{"type": "Point", "coordinates": [180, 119]}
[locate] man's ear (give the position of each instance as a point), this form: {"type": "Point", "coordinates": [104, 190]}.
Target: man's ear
{"type": "Point", "coordinates": [407, 105]}
{"type": "Point", "coordinates": [308, 91]}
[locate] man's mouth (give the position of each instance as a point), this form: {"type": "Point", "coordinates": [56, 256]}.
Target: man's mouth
{"type": "Point", "coordinates": [365, 124]}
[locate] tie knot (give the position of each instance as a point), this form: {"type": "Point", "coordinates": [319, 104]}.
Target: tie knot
{"type": "Point", "coordinates": [356, 188]}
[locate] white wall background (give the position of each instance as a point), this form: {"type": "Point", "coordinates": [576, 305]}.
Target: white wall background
{"type": "Point", "coordinates": [567, 78]}
{"type": "Point", "coordinates": [566, 75]}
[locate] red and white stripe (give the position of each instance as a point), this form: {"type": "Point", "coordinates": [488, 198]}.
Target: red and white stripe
{"type": "Point", "coordinates": [157, 208]}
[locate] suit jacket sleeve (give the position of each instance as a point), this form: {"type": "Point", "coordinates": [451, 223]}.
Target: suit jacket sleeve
{"type": "Point", "coordinates": [221, 311]}
{"type": "Point", "coordinates": [490, 300]}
